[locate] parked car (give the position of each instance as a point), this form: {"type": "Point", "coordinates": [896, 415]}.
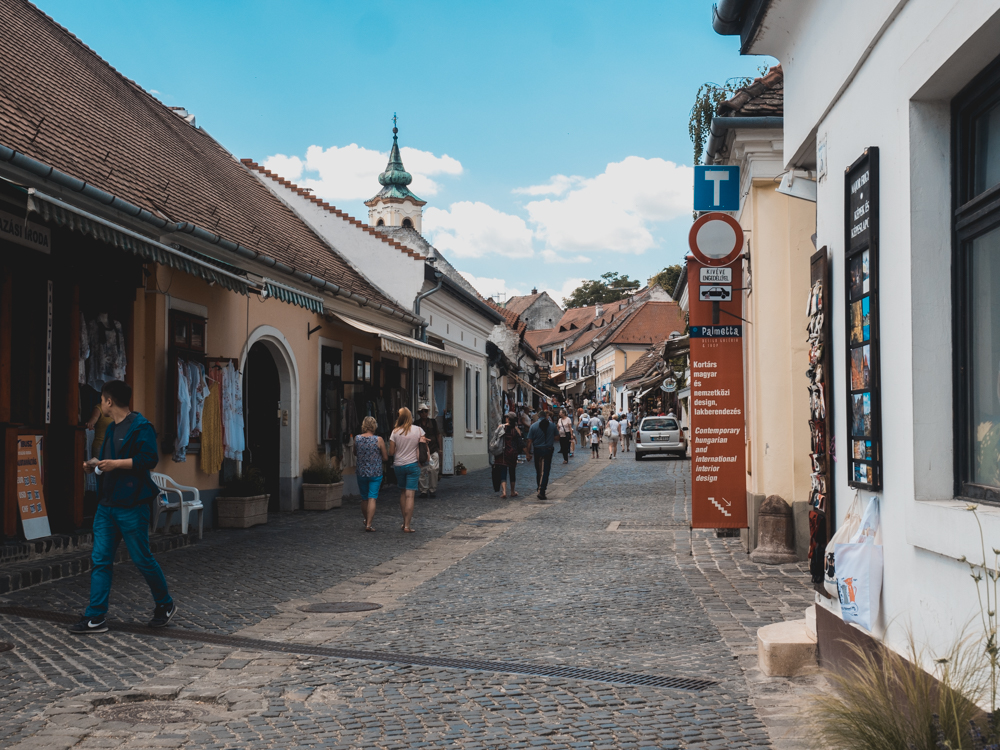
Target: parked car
{"type": "Point", "coordinates": [660, 435]}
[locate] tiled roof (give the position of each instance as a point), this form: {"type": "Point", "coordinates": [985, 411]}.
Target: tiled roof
{"type": "Point", "coordinates": [63, 105]}
{"type": "Point", "coordinates": [762, 98]}
{"type": "Point", "coordinates": [523, 302]}
{"type": "Point", "coordinates": [307, 194]}
{"type": "Point", "coordinates": [511, 318]}
{"type": "Point", "coordinates": [651, 322]}
{"type": "Point", "coordinates": [642, 366]}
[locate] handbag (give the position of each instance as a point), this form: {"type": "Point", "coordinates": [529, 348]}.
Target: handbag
{"type": "Point", "coordinates": [607, 432]}
{"type": "Point", "coordinates": [424, 456]}
{"type": "Point", "coordinates": [841, 536]}
{"type": "Point", "coordinates": [859, 570]}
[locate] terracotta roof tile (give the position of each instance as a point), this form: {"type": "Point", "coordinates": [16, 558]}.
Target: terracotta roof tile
{"type": "Point", "coordinates": [63, 105]}
{"type": "Point", "coordinates": [762, 98]}
{"type": "Point", "coordinates": [651, 322]}
{"type": "Point", "coordinates": [523, 302]}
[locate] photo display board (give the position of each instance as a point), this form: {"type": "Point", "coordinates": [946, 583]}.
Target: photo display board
{"type": "Point", "coordinates": [864, 404]}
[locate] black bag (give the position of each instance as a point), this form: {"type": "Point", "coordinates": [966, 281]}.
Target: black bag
{"type": "Point", "coordinates": [497, 477]}
{"type": "Point", "coordinates": [424, 455]}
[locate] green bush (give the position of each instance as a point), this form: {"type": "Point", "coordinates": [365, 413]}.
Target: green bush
{"type": "Point", "coordinates": [248, 484]}
{"type": "Point", "coordinates": [320, 470]}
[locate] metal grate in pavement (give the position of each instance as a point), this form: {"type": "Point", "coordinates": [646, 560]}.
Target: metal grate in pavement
{"type": "Point", "coordinates": [339, 607]}
{"type": "Point", "coordinates": [477, 665]}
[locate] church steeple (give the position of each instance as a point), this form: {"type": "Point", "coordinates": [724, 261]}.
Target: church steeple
{"type": "Point", "coordinates": [395, 205]}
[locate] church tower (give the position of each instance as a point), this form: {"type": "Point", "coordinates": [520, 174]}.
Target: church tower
{"type": "Point", "coordinates": [395, 205]}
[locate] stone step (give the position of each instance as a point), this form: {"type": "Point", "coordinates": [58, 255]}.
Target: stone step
{"type": "Point", "coordinates": [786, 649]}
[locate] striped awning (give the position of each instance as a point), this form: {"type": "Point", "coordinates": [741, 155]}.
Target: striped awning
{"type": "Point", "coordinates": [55, 211]}
{"type": "Point", "coordinates": [293, 296]}
{"type": "Point", "coordinates": [395, 343]}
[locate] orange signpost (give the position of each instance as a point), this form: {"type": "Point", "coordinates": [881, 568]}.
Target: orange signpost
{"type": "Point", "coordinates": [715, 303]}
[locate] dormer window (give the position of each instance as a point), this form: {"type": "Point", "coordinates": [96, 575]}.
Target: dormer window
{"type": "Point", "coordinates": [407, 223]}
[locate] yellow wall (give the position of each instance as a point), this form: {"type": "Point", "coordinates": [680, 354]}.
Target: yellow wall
{"type": "Point", "coordinates": [775, 343]}
{"type": "Point", "coordinates": [229, 320]}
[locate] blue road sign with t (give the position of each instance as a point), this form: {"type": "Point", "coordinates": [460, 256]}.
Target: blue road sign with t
{"type": "Point", "coordinates": [716, 188]}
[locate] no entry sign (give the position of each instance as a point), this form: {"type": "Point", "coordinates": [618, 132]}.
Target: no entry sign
{"type": "Point", "coordinates": [716, 239]}
{"type": "Point", "coordinates": [718, 453]}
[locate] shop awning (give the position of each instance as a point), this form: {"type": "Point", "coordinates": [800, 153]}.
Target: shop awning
{"type": "Point", "coordinates": [55, 211]}
{"type": "Point", "coordinates": [293, 296]}
{"type": "Point", "coordinates": [396, 343]}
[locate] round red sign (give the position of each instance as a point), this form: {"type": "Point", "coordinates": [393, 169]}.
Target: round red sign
{"type": "Point", "coordinates": [716, 239]}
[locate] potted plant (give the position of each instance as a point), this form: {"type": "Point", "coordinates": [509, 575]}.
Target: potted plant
{"type": "Point", "coordinates": [242, 502]}
{"type": "Point", "coordinates": [322, 487]}
{"type": "Point", "coordinates": [460, 468]}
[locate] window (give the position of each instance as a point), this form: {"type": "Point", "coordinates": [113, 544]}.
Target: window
{"type": "Point", "coordinates": [362, 368]}
{"type": "Point", "coordinates": [468, 400]}
{"type": "Point", "coordinates": [976, 285]}
{"type": "Point", "coordinates": [479, 402]}
{"type": "Point", "coordinates": [407, 223]}
{"type": "Point", "coordinates": [380, 223]}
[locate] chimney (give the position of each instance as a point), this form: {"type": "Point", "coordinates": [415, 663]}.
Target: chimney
{"type": "Point", "coordinates": [599, 310]}
{"type": "Point", "coordinates": [184, 115]}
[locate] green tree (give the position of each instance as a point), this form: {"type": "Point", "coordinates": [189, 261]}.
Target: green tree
{"type": "Point", "coordinates": [611, 287]}
{"type": "Point", "coordinates": [706, 103]}
{"type": "Point", "coordinates": [667, 278]}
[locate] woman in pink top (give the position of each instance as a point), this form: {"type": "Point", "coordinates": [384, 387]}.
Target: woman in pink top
{"type": "Point", "coordinates": [404, 447]}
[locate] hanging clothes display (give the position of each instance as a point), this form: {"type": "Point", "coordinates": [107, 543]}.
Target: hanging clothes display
{"type": "Point", "coordinates": [183, 412]}
{"type": "Point", "coordinates": [84, 350]}
{"type": "Point", "coordinates": [232, 413]}
{"type": "Point", "coordinates": [211, 429]}
{"type": "Point", "coordinates": [106, 346]}
{"type": "Point", "coordinates": [199, 390]}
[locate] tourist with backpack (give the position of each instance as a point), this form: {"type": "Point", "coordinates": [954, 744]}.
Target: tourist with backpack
{"type": "Point", "coordinates": [506, 446]}
{"type": "Point", "coordinates": [541, 443]}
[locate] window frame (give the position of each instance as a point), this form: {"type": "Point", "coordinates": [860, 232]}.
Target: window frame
{"type": "Point", "coordinates": [468, 400]}
{"type": "Point", "coordinates": [972, 217]}
{"type": "Point", "coordinates": [479, 401]}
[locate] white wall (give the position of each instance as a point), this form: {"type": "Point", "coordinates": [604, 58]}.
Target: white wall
{"type": "Point", "coordinates": [396, 272]}
{"type": "Point", "coordinates": [898, 100]}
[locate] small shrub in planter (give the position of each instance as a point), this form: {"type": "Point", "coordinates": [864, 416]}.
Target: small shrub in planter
{"type": "Point", "coordinates": [460, 468]}
{"type": "Point", "coordinates": [242, 502]}
{"type": "Point", "coordinates": [322, 486]}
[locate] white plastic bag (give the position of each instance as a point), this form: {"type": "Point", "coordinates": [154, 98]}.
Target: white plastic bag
{"type": "Point", "coordinates": [844, 534]}
{"type": "Point", "coordinates": [859, 571]}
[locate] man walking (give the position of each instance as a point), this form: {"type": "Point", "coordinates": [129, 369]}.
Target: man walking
{"type": "Point", "coordinates": [541, 442]}
{"type": "Point", "coordinates": [125, 490]}
{"type": "Point", "coordinates": [428, 481]}
{"type": "Point", "coordinates": [613, 434]}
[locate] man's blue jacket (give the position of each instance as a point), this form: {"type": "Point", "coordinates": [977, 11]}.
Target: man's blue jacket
{"type": "Point", "coordinates": [130, 487]}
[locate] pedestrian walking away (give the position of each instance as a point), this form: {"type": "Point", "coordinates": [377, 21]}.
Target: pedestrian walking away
{"type": "Point", "coordinates": [369, 453]}
{"type": "Point", "coordinates": [506, 461]}
{"type": "Point", "coordinates": [541, 443]}
{"type": "Point", "coordinates": [626, 430]}
{"type": "Point", "coordinates": [404, 447]}
{"type": "Point", "coordinates": [595, 441]}
{"type": "Point", "coordinates": [613, 433]}
{"type": "Point", "coordinates": [565, 427]}
{"type": "Point", "coordinates": [125, 492]}
{"type": "Point", "coordinates": [429, 472]}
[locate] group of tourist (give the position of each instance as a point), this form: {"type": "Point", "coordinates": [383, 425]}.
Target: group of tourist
{"type": "Point", "coordinates": [535, 436]}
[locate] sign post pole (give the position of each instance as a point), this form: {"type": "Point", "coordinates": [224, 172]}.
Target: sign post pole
{"type": "Point", "coordinates": [718, 452]}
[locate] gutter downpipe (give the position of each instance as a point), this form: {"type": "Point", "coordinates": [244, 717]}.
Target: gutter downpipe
{"type": "Point", "coordinates": [46, 172]}
{"type": "Point", "coordinates": [717, 131]}
{"type": "Point", "coordinates": [422, 329]}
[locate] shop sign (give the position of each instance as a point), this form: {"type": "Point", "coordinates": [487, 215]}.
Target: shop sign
{"type": "Point", "coordinates": [718, 453]}
{"type": "Point", "coordinates": [861, 292]}
{"type": "Point", "coordinates": [23, 232]}
{"type": "Point", "coordinates": [30, 491]}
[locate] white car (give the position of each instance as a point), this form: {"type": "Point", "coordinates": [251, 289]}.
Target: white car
{"type": "Point", "coordinates": [660, 435]}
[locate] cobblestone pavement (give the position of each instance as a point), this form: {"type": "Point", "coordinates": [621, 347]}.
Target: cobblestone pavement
{"type": "Point", "coordinates": [601, 576]}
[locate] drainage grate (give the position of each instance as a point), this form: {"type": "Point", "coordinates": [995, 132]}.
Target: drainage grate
{"type": "Point", "coordinates": [476, 665]}
{"type": "Point", "coordinates": [153, 712]}
{"type": "Point", "coordinates": [339, 607]}
{"type": "Point", "coordinates": [6, 647]}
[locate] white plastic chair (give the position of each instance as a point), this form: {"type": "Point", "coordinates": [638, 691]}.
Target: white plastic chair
{"type": "Point", "coordinates": [167, 487]}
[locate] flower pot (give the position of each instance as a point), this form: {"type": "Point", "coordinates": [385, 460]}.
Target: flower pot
{"type": "Point", "coordinates": [241, 512]}
{"type": "Point", "coordinates": [462, 472]}
{"type": "Point", "coordinates": [322, 496]}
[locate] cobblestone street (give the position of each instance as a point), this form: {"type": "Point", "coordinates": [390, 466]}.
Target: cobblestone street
{"type": "Point", "coordinates": [600, 577]}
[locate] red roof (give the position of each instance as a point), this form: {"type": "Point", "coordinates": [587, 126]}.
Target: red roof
{"type": "Point", "coordinates": [63, 105]}
{"type": "Point", "coordinates": [523, 302]}
{"type": "Point", "coordinates": [652, 322]}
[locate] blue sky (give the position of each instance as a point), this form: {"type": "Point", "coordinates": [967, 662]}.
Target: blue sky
{"type": "Point", "coordinates": [548, 138]}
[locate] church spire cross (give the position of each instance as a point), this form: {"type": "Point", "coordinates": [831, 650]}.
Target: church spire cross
{"type": "Point", "coordinates": [394, 128]}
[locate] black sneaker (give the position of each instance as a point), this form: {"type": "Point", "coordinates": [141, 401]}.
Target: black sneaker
{"type": "Point", "coordinates": [88, 625]}
{"type": "Point", "coordinates": [162, 615]}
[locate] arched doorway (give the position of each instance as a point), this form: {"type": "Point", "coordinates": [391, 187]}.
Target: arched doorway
{"type": "Point", "coordinates": [262, 393]}
{"type": "Point", "coordinates": [271, 397]}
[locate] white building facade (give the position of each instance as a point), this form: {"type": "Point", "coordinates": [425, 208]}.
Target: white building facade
{"type": "Point", "coordinates": [909, 93]}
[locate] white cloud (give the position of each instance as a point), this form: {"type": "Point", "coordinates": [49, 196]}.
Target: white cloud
{"type": "Point", "coordinates": [557, 185]}
{"type": "Point", "coordinates": [342, 173]}
{"type": "Point", "coordinates": [551, 256]}
{"type": "Point", "coordinates": [491, 287]}
{"type": "Point", "coordinates": [614, 211]}
{"type": "Point", "coordinates": [567, 289]}
{"type": "Point", "coordinates": [475, 230]}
